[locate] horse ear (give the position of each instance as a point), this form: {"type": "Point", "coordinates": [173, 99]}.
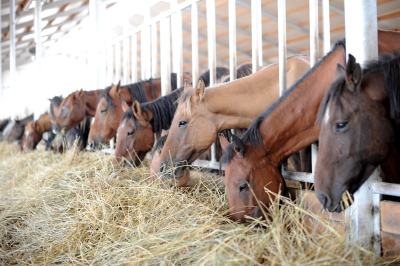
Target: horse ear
{"type": "Point", "coordinates": [137, 112]}
{"type": "Point", "coordinates": [124, 105]}
{"type": "Point", "coordinates": [79, 93]}
{"type": "Point", "coordinates": [34, 124]}
{"type": "Point", "coordinates": [340, 71]}
{"type": "Point", "coordinates": [118, 89]}
{"type": "Point", "coordinates": [353, 73]}
{"type": "Point", "coordinates": [198, 92]}
{"type": "Point", "coordinates": [224, 142]}
{"type": "Point", "coordinates": [238, 146]}
{"type": "Point", "coordinates": [187, 86]}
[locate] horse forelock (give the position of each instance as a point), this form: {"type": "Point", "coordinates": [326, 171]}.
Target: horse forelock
{"type": "Point", "coordinates": [107, 97]}
{"type": "Point", "coordinates": [128, 115]}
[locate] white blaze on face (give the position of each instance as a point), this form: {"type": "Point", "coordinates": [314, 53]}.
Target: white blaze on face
{"type": "Point", "coordinates": [326, 116]}
{"type": "Point", "coordinates": [27, 133]}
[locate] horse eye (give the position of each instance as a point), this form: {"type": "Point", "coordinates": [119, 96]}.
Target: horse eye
{"type": "Point", "coordinates": [104, 111]}
{"type": "Point", "coordinates": [243, 187]}
{"type": "Point", "coordinates": [182, 124]}
{"type": "Point", "coordinates": [130, 133]}
{"type": "Point", "coordinates": [341, 126]}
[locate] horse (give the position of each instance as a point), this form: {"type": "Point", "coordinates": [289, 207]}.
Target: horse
{"type": "Point", "coordinates": [202, 113]}
{"type": "Point", "coordinates": [3, 125]}
{"type": "Point", "coordinates": [109, 110]}
{"type": "Point", "coordinates": [360, 128]}
{"type": "Point", "coordinates": [18, 129]}
{"type": "Point", "coordinates": [7, 130]}
{"type": "Point", "coordinates": [139, 123]}
{"type": "Point", "coordinates": [288, 125]}
{"type": "Point", "coordinates": [34, 131]}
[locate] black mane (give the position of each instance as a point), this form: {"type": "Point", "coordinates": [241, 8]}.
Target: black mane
{"type": "Point", "coordinates": [253, 135]}
{"type": "Point", "coordinates": [389, 66]}
{"type": "Point", "coordinates": [242, 71]}
{"type": "Point", "coordinates": [220, 72]}
{"type": "Point", "coordinates": [160, 144]}
{"type": "Point", "coordinates": [55, 102]}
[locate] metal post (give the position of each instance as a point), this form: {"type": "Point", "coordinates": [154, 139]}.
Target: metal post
{"type": "Point", "coordinates": [195, 43]}
{"type": "Point", "coordinates": [327, 26]}
{"type": "Point", "coordinates": [232, 39]}
{"type": "Point", "coordinates": [12, 47]}
{"type": "Point", "coordinates": [96, 41]}
{"type": "Point", "coordinates": [282, 45]}
{"type": "Point", "coordinates": [145, 53]}
{"type": "Point", "coordinates": [110, 65]}
{"type": "Point", "coordinates": [165, 39]}
{"type": "Point", "coordinates": [1, 72]}
{"type": "Point", "coordinates": [118, 62]}
{"type": "Point", "coordinates": [177, 43]}
{"type": "Point", "coordinates": [314, 48]}
{"type": "Point", "coordinates": [362, 42]}
{"type": "Point", "coordinates": [38, 53]}
{"type": "Point", "coordinates": [255, 34]}
{"type": "Point", "coordinates": [125, 57]}
{"type": "Point", "coordinates": [212, 51]}
{"type": "Point", "coordinates": [134, 58]}
{"type": "Point", "coordinates": [154, 51]}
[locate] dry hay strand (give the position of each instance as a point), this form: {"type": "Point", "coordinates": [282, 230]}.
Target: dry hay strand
{"type": "Point", "coordinates": [79, 209]}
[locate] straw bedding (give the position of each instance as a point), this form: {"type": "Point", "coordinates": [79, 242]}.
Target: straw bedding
{"type": "Point", "coordinates": [77, 209]}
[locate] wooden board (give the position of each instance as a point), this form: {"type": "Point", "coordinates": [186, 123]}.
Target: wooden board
{"type": "Point", "coordinates": [390, 244]}
{"type": "Point", "coordinates": [390, 217]}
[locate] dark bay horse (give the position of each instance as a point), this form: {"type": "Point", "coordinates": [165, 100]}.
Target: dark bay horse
{"type": "Point", "coordinates": [288, 125]}
{"type": "Point", "coordinates": [202, 113]}
{"type": "Point", "coordinates": [140, 123]}
{"type": "Point", "coordinates": [360, 128]}
{"type": "Point", "coordinates": [3, 125]}
{"type": "Point", "coordinates": [18, 129]}
{"type": "Point", "coordinates": [34, 131]}
{"type": "Point", "coordinates": [109, 111]}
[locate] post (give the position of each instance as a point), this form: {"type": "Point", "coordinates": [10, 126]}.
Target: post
{"type": "Point", "coordinates": [118, 62]}
{"type": "Point", "coordinates": [1, 72]}
{"type": "Point", "coordinates": [314, 48]}
{"type": "Point", "coordinates": [195, 43]}
{"type": "Point", "coordinates": [212, 58]}
{"type": "Point", "coordinates": [362, 43]}
{"type": "Point", "coordinates": [125, 57]}
{"type": "Point", "coordinates": [134, 58]}
{"type": "Point", "coordinates": [13, 67]}
{"type": "Point", "coordinates": [110, 65]}
{"type": "Point", "coordinates": [165, 38]}
{"type": "Point", "coordinates": [256, 52]}
{"type": "Point", "coordinates": [177, 48]}
{"type": "Point", "coordinates": [154, 51]}
{"type": "Point", "coordinates": [96, 41]}
{"type": "Point", "coordinates": [282, 45]}
{"type": "Point", "coordinates": [327, 26]}
{"type": "Point", "coordinates": [38, 54]}
{"type": "Point", "coordinates": [232, 39]}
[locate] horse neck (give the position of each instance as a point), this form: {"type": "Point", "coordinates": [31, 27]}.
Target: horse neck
{"type": "Point", "coordinates": [291, 125]}
{"type": "Point", "coordinates": [43, 124]}
{"type": "Point", "coordinates": [149, 89]}
{"type": "Point", "coordinates": [91, 98]}
{"type": "Point", "coordinates": [126, 95]}
{"type": "Point", "coordinates": [249, 95]}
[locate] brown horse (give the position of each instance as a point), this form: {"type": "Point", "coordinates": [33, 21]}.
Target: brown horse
{"type": "Point", "coordinates": [140, 123]}
{"type": "Point", "coordinates": [202, 113]}
{"type": "Point", "coordinates": [360, 127]}
{"type": "Point", "coordinates": [74, 108]}
{"type": "Point", "coordinates": [285, 127]}
{"type": "Point", "coordinates": [18, 129]}
{"type": "Point", "coordinates": [109, 110]}
{"type": "Point", "coordinates": [34, 131]}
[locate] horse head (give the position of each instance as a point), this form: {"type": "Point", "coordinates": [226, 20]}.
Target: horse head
{"type": "Point", "coordinates": [70, 112]}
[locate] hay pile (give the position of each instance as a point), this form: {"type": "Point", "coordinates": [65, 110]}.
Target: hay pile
{"type": "Point", "coordinates": [77, 209]}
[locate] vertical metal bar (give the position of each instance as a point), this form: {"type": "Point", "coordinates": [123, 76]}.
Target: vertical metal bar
{"type": "Point", "coordinates": [154, 51]}
{"type": "Point", "coordinates": [38, 53]}
{"type": "Point", "coordinates": [314, 48]}
{"type": "Point", "coordinates": [212, 51]}
{"type": "Point", "coordinates": [232, 39]}
{"type": "Point", "coordinates": [165, 39]}
{"type": "Point", "coordinates": [118, 62]}
{"type": "Point", "coordinates": [110, 65]}
{"type": "Point", "coordinates": [145, 53]}
{"type": "Point", "coordinates": [195, 43]}
{"type": "Point", "coordinates": [125, 57]}
{"type": "Point", "coordinates": [1, 70]}
{"type": "Point", "coordinates": [362, 42]}
{"type": "Point", "coordinates": [134, 58]}
{"type": "Point", "coordinates": [327, 26]}
{"type": "Point", "coordinates": [282, 45]}
{"type": "Point", "coordinates": [96, 41]}
{"type": "Point", "coordinates": [255, 34]}
{"type": "Point", "coordinates": [12, 47]}
{"type": "Point", "coordinates": [177, 43]}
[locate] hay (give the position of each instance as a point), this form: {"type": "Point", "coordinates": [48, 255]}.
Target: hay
{"type": "Point", "coordinates": [77, 209]}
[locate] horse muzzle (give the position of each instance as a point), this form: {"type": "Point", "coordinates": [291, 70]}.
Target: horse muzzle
{"type": "Point", "coordinates": [176, 171]}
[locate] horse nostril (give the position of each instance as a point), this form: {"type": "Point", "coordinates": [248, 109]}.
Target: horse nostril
{"type": "Point", "coordinates": [325, 200]}
{"type": "Point", "coordinates": [162, 167]}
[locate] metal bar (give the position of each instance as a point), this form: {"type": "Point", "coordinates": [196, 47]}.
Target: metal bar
{"type": "Point", "coordinates": [195, 43]}
{"type": "Point", "coordinates": [212, 52]}
{"type": "Point", "coordinates": [165, 40]}
{"type": "Point", "coordinates": [125, 57]}
{"type": "Point", "coordinates": [232, 40]}
{"type": "Point", "coordinates": [299, 176]}
{"type": "Point", "coordinates": [12, 46]}
{"type": "Point", "coordinates": [96, 40]}
{"type": "Point", "coordinates": [362, 42]}
{"type": "Point", "coordinates": [1, 70]}
{"type": "Point", "coordinates": [387, 189]}
{"type": "Point", "coordinates": [177, 43]}
{"type": "Point", "coordinates": [38, 54]}
{"type": "Point", "coordinates": [327, 26]}
{"type": "Point", "coordinates": [255, 24]}
{"type": "Point", "coordinates": [118, 62]}
{"type": "Point", "coordinates": [154, 51]}
{"type": "Point", "coordinates": [134, 58]}
{"type": "Point", "coordinates": [110, 65]}
{"type": "Point", "coordinates": [282, 45]}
